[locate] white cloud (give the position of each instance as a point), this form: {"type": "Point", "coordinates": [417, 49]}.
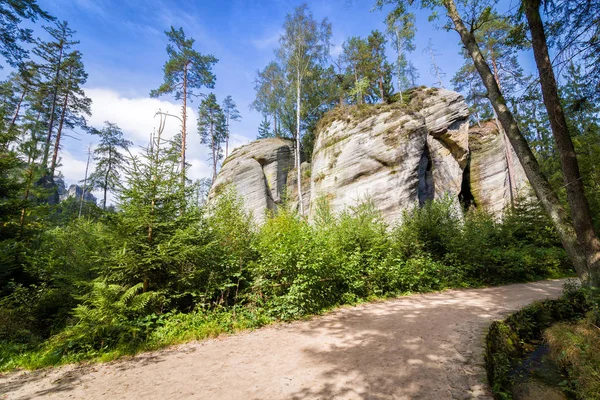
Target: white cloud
{"type": "Point", "coordinates": [136, 118]}
{"type": "Point", "coordinates": [267, 41]}
{"type": "Point", "coordinates": [72, 167]}
{"type": "Point", "coordinates": [336, 50]}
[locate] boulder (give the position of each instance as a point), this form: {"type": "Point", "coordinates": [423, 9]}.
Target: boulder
{"type": "Point", "coordinates": [258, 174]}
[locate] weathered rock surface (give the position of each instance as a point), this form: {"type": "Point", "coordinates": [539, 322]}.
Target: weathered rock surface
{"type": "Point", "coordinates": [396, 156]}
{"type": "Point", "coordinates": [258, 173]}
{"type": "Point", "coordinates": [496, 176]}
{"type": "Point", "coordinates": [292, 187]}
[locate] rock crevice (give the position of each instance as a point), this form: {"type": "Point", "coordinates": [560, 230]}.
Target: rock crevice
{"type": "Point", "coordinates": [397, 156]}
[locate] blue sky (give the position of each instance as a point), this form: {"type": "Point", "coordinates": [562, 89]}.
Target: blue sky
{"type": "Point", "coordinates": [123, 44]}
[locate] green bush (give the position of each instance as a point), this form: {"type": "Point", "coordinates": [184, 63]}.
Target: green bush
{"type": "Point", "coordinates": [510, 340]}
{"type": "Point", "coordinates": [110, 290]}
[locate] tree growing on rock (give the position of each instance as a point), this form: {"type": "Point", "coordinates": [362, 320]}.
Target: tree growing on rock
{"type": "Point", "coordinates": [231, 114]}
{"type": "Point", "coordinates": [401, 30]}
{"type": "Point", "coordinates": [212, 129]}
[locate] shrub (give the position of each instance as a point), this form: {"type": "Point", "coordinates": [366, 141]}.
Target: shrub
{"type": "Point", "coordinates": [292, 276]}
{"type": "Point", "coordinates": [576, 347]}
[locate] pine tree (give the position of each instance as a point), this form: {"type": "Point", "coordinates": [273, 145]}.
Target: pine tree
{"type": "Point", "coordinates": [269, 85]}
{"type": "Point", "coordinates": [212, 129]}
{"type": "Point", "coordinates": [109, 159]}
{"type": "Point", "coordinates": [186, 70]}
{"type": "Point", "coordinates": [231, 114]}
{"type": "Point", "coordinates": [52, 67]}
{"type": "Point", "coordinates": [12, 34]}
{"type": "Point", "coordinates": [380, 69]}
{"type": "Point", "coordinates": [578, 202]}
{"type": "Point", "coordinates": [356, 55]}
{"type": "Point", "coordinates": [154, 213]}
{"type": "Point", "coordinates": [264, 129]}
{"type": "Point", "coordinates": [75, 104]}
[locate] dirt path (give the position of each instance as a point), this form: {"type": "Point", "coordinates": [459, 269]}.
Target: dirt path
{"type": "Point", "coordinates": [419, 347]}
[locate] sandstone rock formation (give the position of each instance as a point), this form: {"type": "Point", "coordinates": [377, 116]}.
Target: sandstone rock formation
{"type": "Point", "coordinates": [496, 177]}
{"type": "Point", "coordinates": [397, 156]}
{"type": "Point", "coordinates": [258, 173]}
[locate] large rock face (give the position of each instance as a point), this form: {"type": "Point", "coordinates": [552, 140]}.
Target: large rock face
{"type": "Point", "coordinates": [496, 177]}
{"type": "Point", "coordinates": [397, 156]}
{"type": "Point", "coordinates": [258, 173]}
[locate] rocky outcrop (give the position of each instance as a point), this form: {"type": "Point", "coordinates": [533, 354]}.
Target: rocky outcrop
{"type": "Point", "coordinates": [258, 173]}
{"type": "Point", "coordinates": [496, 178]}
{"type": "Point", "coordinates": [396, 155]}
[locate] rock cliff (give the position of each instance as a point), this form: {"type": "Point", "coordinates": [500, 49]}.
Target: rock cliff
{"type": "Point", "coordinates": [495, 175]}
{"type": "Point", "coordinates": [258, 172]}
{"type": "Point", "coordinates": [397, 156]}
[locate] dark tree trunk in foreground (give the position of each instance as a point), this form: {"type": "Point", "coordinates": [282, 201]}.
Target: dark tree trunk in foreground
{"type": "Point", "coordinates": [540, 184]}
{"type": "Point", "coordinates": [580, 209]}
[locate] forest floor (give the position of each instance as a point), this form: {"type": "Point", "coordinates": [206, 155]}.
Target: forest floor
{"type": "Point", "coordinates": [427, 346]}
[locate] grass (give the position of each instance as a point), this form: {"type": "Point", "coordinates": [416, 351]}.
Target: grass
{"type": "Point", "coordinates": [576, 347]}
{"type": "Point", "coordinates": [175, 329]}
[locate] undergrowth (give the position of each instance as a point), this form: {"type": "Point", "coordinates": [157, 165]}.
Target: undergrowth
{"type": "Point", "coordinates": [575, 346]}
{"type": "Point", "coordinates": [213, 271]}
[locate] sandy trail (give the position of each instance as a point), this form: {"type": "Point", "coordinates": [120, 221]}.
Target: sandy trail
{"type": "Point", "coordinates": [418, 347]}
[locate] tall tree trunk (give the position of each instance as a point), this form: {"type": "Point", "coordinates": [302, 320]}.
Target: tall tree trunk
{"type": "Point", "coordinates": [381, 91]}
{"type": "Point", "coordinates": [60, 126]}
{"type": "Point", "coordinates": [108, 170]}
{"type": "Point", "coordinates": [540, 184]}
{"type": "Point", "coordinates": [213, 148]}
{"type": "Point", "coordinates": [399, 72]}
{"type": "Point", "coordinates": [27, 190]}
{"type": "Point", "coordinates": [183, 124]}
{"type": "Point", "coordinates": [505, 141]}
{"type": "Point", "coordinates": [85, 181]}
{"type": "Point", "coordinates": [227, 137]}
{"type": "Point", "coordinates": [298, 166]}
{"type": "Point", "coordinates": [580, 209]}
{"type": "Point", "coordinates": [53, 108]}
{"type": "Point", "coordinates": [16, 114]}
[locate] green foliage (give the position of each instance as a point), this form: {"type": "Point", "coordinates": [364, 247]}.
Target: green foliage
{"type": "Point", "coordinates": [213, 129]}
{"type": "Point", "coordinates": [510, 340]}
{"type": "Point", "coordinates": [109, 159]}
{"type": "Point", "coordinates": [12, 33]}
{"type": "Point", "coordinates": [186, 69]}
{"type": "Point", "coordinates": [201, 273]}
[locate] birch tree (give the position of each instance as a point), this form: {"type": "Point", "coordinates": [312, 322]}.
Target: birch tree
{"type": "Point", "coordinates": [401, 30]}
{"type": "Point", "coordinates": [109, 159]}
{"type": "Point", "coordinates": [304, 43]}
